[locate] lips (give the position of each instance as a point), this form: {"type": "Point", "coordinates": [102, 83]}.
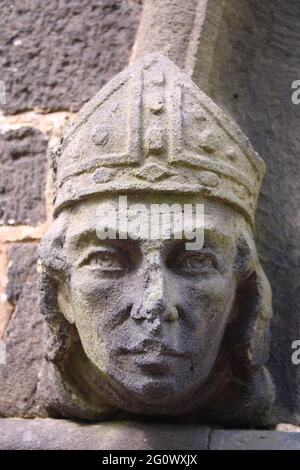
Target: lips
{"type": "Point", "coordinates": [162, 351]}
{"type": "Point", "coordinates": [149, 347]}
{"type": "Point", "coordinates": [152, 364]}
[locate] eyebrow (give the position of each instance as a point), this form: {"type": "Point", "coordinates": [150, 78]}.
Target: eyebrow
{"type": "Point", "coordinates": [85, 235]}
{"type": "Point", "coordinates": [217, 235]}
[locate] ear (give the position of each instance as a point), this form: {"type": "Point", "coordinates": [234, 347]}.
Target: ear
{"type": "Point", "coordinates": [64, 302]}
{"type": "Point", "coordinates": [259, 326]}
{"type": "Point", "coordinates": [248, 335]}
{"type": "Point", "coordinates": [246, 256]}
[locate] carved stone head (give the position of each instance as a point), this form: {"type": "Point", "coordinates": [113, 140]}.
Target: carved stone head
{"type": "Point", "coordinates": [148, 324]}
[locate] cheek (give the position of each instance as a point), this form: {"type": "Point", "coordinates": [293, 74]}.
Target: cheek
{"type": "Point", "coordinates": [99, 301]}
{"type": "Point", "coordinates": [211, 302]}
{"type": "Point", "coordinates": [95, 299]}
{"type": "Point", "coordinates": [95, 302]}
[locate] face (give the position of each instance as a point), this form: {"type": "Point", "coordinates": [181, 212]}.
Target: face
{"type": "Point", "coordinates": [151, 313]}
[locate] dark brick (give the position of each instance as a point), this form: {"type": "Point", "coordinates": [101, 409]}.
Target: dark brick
{"type": "Point", "coordinates": [56, 55]}
{"type": "Point", "coordinates": [24, 338]}
{"type": "Point", "coordinates": [23, 168]}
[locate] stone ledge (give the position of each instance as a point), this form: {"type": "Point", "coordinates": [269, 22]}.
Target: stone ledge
{"type": "Point", "coordinates": [37, 434]}
{"type": "Point", "coordinates": [16, 433]}
{"type": "Point", "coordinates": [253, 440]}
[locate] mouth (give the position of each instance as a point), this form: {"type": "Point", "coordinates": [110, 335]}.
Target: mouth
{"type": "Point", "coordinates": [159, 354]}
{"type": "Point", "coordinates": [156, 349]}
{"type": "Point", "coordinates": [153, 358]}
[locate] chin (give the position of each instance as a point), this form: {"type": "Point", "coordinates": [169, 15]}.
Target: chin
{"type": "Point", "coordinates": [156, 395]}
{"type": "Point", "coordinates": [150, 385]}
{"type": "Point", "coordinates": [158, 389]}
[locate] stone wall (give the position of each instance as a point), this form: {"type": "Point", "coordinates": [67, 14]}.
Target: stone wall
{"type": "Point", "coordinates": [54, 56]}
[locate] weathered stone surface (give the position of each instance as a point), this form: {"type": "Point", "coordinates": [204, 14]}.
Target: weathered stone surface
{"type": "Point", "coordinates": [56, 55]}
{"type": "Point", "coordinates": [143, 323]}
{"type": "Point", "coordinates": [167, 27]}
{"type": "Point", "coordinates": [256, 60]}
{"type": "Point", "coordinates": [61, 434]}
{"type": "Point", "coordinates": [23, 172]}
{"type": "Point", "coordinates": [56, 434]}
{"type": "Point", "coordinates": [177, 138]}
{"type": "Point", "coordinates": [184, 32]}
{"type": "Point", "coordinates": [23, 338]}
{"type": "Point", "coordinates": [254, 440]}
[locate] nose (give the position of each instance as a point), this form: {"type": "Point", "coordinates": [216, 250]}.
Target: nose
{"type": "Point", "coordinates": [156, 304]}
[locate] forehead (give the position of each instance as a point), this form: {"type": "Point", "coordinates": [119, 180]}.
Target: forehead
{"type": "Point", "coordinates": [89, 218]}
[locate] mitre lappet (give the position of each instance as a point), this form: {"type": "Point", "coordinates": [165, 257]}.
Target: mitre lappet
{"type": "Point", "coordinates": [152, 129]}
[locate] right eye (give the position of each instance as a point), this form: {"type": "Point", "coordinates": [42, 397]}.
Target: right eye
{"type": "Point", "coordinates": [106, 262]}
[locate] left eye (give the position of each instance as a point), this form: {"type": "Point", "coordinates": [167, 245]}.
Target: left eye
{"type": "Point", "coordinates": [106, 262]}
{"type": "Point", "coordinates": [193, 264]}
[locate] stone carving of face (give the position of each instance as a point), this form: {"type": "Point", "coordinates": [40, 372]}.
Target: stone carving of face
{"type": "Point", "coordinates": [140, 324]}
{"type": "Point", "coordinates": [151, 314]}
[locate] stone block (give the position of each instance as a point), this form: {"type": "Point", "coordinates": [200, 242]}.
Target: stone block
{"type": "Point", "coordinates": [23, 339]}
{"type": "Point", "coordinates": [55, 55]}
{"type": "Point", "coordinates": [23, 173]}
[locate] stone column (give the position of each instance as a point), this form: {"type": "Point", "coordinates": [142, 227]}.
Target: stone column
{"type": "Point", "coordinates": [184, 32]}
